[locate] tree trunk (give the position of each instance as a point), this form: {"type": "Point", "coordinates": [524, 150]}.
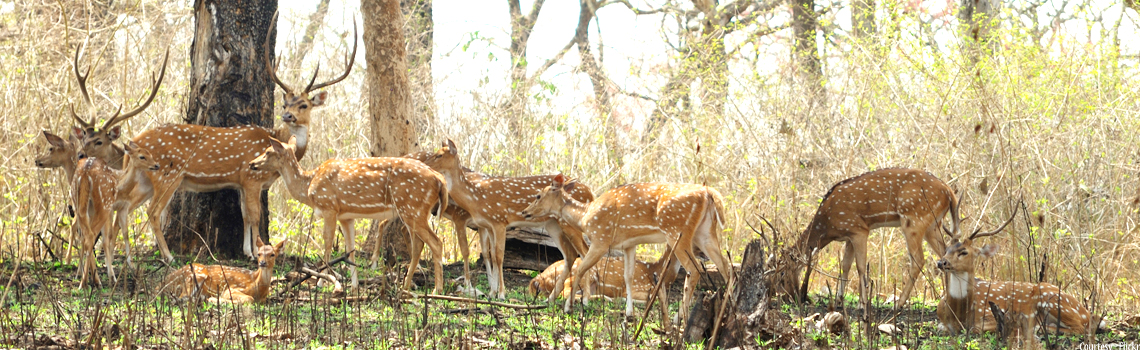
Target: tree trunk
{"type": "Point", "coordinates": [808, 67]}
{"type": "Point", "coordinates": [521, 27]}
{"type": "Point", "coordinates": [977, 18]}
{"type": "Point", "coordinates": [420, 33]}
{"type": "Point", "coordinates": [863, 19]}
{"type": "Point", "coordinates": [389, 98]}
{"type": "Point", "coordinates": [316, 21]}
{"type": "Point", "coordinates": [750, 295]}
{"type": "Point", "coordinates": [229, 86]}
{"type": "Point", "coordinates": [603, 95]}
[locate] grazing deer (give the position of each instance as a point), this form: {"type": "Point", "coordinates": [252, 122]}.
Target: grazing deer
{"type": "Point", "coordinates": [206, 159]}
{"type": "Point", "coordinates": [365, 188]}
{"type": "Point", "coordinates": [224, 283]}
{"type": "Point", "coordinates": [607, 278]}
{"type": "Point", "coordinates": [93, 195]}
{"type": "Point", "coordinates": [685, 216]}
{"type": "Point", "coordinates": [913, 200]}
{"type": "Point", "coordinates": [965, 303]}
{"type": "Point", "coordinates": [495, 204]}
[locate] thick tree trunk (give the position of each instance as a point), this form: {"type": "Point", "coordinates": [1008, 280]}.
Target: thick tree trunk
{"type": "Point", "coordinates": [521, 27]}
{"type": "Point", "coordinates": [977, 18]}
{"type": "Point", "coordinates": [419, 30]}
{"type": "Point", "coordinates": [603, 95]}
{"type": "Point", "coordinates": [229, 86]}
{"type": "Point", "coordinates": [389, 98]}
{"type": "Point", "coordinates": [809, 70]}
{"type": "Point", "coordinates": [863, 19]}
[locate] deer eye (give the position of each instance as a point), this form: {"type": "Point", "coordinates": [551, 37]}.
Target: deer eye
{"type": "Point", "coordinates": [98, 143]}
{"type": "Point", "coordinates": [963, 254]}
{"type": "Point", "coordinates": [303, 107]}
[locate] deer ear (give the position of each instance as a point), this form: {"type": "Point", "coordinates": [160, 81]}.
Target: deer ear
{"type": "Point", "coordinates": [114, 133]}
{"type": "Point", "coordinates": [558, 180]}
{"type": "Point", "coordinates": [259, 242]}
{"type": "Point", "coordinates": [570, 185]}
{"type": "Point", "coordinates": [280, 245]}
{"type": "Point", "coordinates": [988, 250]}
{"type": "Point", "coordinates": [78, 132]}
{"type": "Point", "coordinates": [53, 139]}
{"type": "Point", "coordinates": [277, 146]}
{"type": "Point", "coordinates": [318, 99]}
{"type": "Point", "coordinates": [451, 147]}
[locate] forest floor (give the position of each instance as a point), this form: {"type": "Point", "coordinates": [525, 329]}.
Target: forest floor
{"type": "Point", "coordinates": [45, 309]}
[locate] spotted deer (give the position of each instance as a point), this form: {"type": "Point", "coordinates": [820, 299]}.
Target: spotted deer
{"type": "Point", "coordinates": [63, 154]}
{"type": "Point", "coordinates": [200, 158]}
{"type": "Point", "coordinates": [93, 195]}
{"type": "Point", "coordinates": [607, 278]}
{"type": "Point", "coordinates": [495, 204]}
{"type": "Point", "coordinates": [686, 217]}
{"type": "Point", "coordinates": [965, 303]}
{"type": "Point", "coordinates": [380, 188]}
{"type": "Point", "coordinates": [913, 200]}
{"type": "Point", "coordinates": [225, 283]}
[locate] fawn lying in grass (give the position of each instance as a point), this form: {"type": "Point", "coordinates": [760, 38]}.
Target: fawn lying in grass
{"type": "Point", "coordinates": [605, 279]}
{"type": "Point", "coordinates": [224, 283]}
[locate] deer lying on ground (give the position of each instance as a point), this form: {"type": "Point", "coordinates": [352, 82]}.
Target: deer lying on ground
{"type": "Point", "coordinates": [913, 200]}
{"type": "Point", "coordinates": [687, 217]}
{"type": "Point", "coordinates": [495, 204]}
{"type": "Point", "coordinates": [93, 195]}
{"type": "Point", "coordinates": [206, 159]}
{"type": "Point", "coordinates": [965, 303]}
{"type": "Point", "coordinates": [607, 278]}
{"type": "Point", "coordinates": [224, 283]}
{"type": "Point", "coordinates": [365, 188]}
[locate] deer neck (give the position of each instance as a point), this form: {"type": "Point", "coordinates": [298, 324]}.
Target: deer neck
{"type": "Point", "coordinates": [300, 132]}
{"type": "Point", "coordinates": [69, 166]}
{"type": "Point", "coordinates": [261, 279]}
{"type": "Point", "coordinates": [115, 157]}
{"type": "Point", "coordinates": [572, 212]}
{"type": "Point", "coordinates": [297, 181]}
{"type": "Point", "coordinates": [960, 297]}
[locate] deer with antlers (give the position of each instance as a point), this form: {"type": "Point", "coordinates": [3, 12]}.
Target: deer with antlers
{"type": "Point", "coordinates": [965, 303]}
{"type": "Point", "coordinates": [343, 190]}
{"type": "Point", "coordinates": [94, 195]}
{"type": "Point", "coordinates": [495, 204]}
{"type": "Point", "coordinates": [687, 217]}
{"type": "Point", "coordinates": [224, 283]}
{"type": "Point", "coordinates": [205, 159]}
{"type": "Point", "coordinates": [913, 200]}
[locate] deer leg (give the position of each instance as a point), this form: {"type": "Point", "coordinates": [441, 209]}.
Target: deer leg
{"type": "Point", "coordinates": [460, 225]}
{"type": "Point", "coordinates": [569, 254]}
{"type": "Point", "coordinates": [845, 270]}
{"type": "Point", "coordinates": [917, 260]}
{"type": "Point", "coordinates": [422, 229]}
{"type": "Point", "coordinates": [500, 237]}
{"type": "Point", "coordinates": [592, 257]}
{"type": "Point", "coordinates": [416, 249]}
{"type": "Point", "coordinates": [706, 240]}
{"type": "Point", "coordinates": [487, 247]}
{"type": "Point", "coordinates": [860, 244]}
{"type": "Point", "coordinates": [629, 261]}
{"type": "Point", "coordinates": [347, 225]}
{"type": "Point", "coordinates": [328, 233]}
{"type": "Point", "coordinates": [109, 233]}
{"type": "Point", "coordinates": [251, 218]}
{"type": "Point", "coordinates": [156, 214]}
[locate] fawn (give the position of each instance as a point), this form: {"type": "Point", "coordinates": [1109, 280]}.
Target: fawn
{"type": "Point", "coordinates": [607, 279]}
{"type": "Point", "coordinates": [225, 283]}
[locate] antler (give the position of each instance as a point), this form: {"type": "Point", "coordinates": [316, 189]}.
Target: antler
{"type": "Point", "coordinates": [348, 65]}
{"type": "Point", "coordinates": [271, 66]}
{"type": "Point", "coordinates": [82, 79]}
{"type": "Point", "coordinates": [978, 234]}
{"type": "Point", "coordinates": [155, 83]}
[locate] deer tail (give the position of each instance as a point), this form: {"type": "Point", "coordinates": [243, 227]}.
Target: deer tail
{"type": "Point", "coordinates": [443, 200]}
{"type": "Point", "coordinates": [955, 220]}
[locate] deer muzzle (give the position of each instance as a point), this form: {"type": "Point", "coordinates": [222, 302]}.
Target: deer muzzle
{"type": "Point", "coordinates": [288, 118]}
{"type": "Point", "coordinates": [942, 264]}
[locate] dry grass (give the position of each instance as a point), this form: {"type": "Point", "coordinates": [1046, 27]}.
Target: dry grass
{"type": "Point", "coordinates": [1055, 127]}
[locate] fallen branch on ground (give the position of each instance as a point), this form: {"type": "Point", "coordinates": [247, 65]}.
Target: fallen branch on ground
{"type": "Point", "coordinates": [410, 295]}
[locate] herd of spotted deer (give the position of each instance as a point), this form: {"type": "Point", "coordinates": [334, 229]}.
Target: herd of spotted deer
{"type": "Point", "coordinates": [111, 180]}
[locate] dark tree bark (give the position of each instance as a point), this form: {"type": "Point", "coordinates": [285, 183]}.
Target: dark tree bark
{"type": "Point", "coordinates": [977, 20]}
{"type": "Point", "coordinates": [808, 67]}
{"type": "Point", "coordinates": [863, 19]}
{"type": "Point", "coordinates": [419, 30]}
{"type": "Point", "coordinates": [389, 99]}
{"type": "Point", "coordinates": [229, 86]}
{"type": "Point", "coordinates": [521, 27]}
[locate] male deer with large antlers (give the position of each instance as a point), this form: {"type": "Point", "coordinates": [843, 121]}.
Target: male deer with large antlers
{"type": "Point", "coordinates": [495, 204]}
{"type": "Point", "coordinates": [965, 303]}
{"type": "Point", "coordinates": [687, 217]}
{"type": "Point", "coordinates": [913, 200]}
{"type": "Point", "coordinates": [343, 190]}
{"type": "Point", "coordinates": [206, 159]}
